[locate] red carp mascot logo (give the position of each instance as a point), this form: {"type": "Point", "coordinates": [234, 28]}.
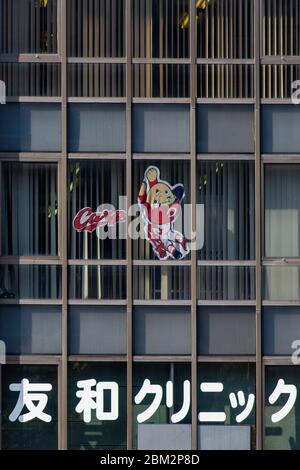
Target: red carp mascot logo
{"type": "Point", "coordinates": [160, 205]}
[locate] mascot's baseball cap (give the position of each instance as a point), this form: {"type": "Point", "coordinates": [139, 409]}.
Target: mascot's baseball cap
{"type": "Point", "coordinates": [178, 192]}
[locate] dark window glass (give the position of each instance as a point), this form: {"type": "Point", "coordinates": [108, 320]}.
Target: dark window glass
{"type": "Point", "coordinates": [96, 28]}
{"type": "Point", "coordinates": [97, 282]}
{"type": "Point", "coordinates": [28, 26]}
{"type": "Point", "coordinates": [226, 283]}
{"type": "Point", "coordinates": [32, 79]}
{"type": "Point", "coordinates": [160, 28]}
{"type": "Point", "coordinates": [225, 81]}
{"type": "Point", "coordinates": [95, 434]}
{"type": "Point", "coordinates": [162, 330]}
{"type": "Point", "coordinates": [225, 29]}
{"type": "Point", "coordinates": [176, 173]}
{"type": "Point", "coordinates": [31, 329]}
{"type": "Point", "coordinates": [281, 24]}
{"type": "Point", "coordinates": [282, 208]}
{"type": "Point", "coordinates": [29, 209]}
{"type": "Point", "coordinates": [234, 378]}
{"type": "Point", "coordinates": [96, 80]}
{"type": "Point", "coordinates": [30, 127]}
{"type": "Point", "coordinates": [161, 81]}
{"type": "Point", "coordinates": [97, 329]}
{"type": "Point", "coordinates": [161, 282]}
{"type": "Point", "coordinates": [283, 434]}
{"type": "Point", "coordinates": [93, 184]}
{"type": "Point", "coordinates": [226, 189]}
{"type": "Point", "coordinates": [30, 282]}
{"type": "Point", "coordinates": [34, 434]}
{"type": "Point", "coordinates": [160, 374]}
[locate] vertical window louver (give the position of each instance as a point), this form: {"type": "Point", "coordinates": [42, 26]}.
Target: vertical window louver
{"type": "Point", "coordinates": [281, 28]}
{"type": "Point", "coordinates": [90, 185]}
{"type": "Point", "coordinates": [28, 26]}
{"type": "Point", "coordinates": [227, 191]}
{"type": "Point", "coordinates": [96, 28]}
{"type": "Point", "coordinates": [225, 29]}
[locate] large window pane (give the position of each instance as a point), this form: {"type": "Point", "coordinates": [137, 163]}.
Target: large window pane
{"type": "Point", "coordinates": [31, 329]}
{"type": "Point", "coordinates": [97, 282]}
{"type": "Point", "coordinates": [281, 283]}
{"type": "Point", "coordinates": [29, 209]}
{"type": "Point", "coordinates": [232, 379]}
{"type": "Point", "coordinates": [226, 283]}
{"type": "Point", "coordinates": [96, 80]}
{"type": "Point", "coordinates": [282, 211]}
{"type": "Point", "coordinates": [161, 81]}
{"type": "Point", "coordinates": [96, 28]}
{"type": "Point", "coordinates": [225, 29]}
{"type": "Point", "coordinates": [34, 433]}
{"type": "Point", "coordinates": [161, 282]}
{"type": "Point", "coordinates": [160, 28]}
{"type": "Point", "coordinates": [162, 330]}
{"type": "Point", "coordinates": [281, 433]}
{"type": "Point", "coordinates": [227, 191]}
{"type": "Point", "coordinates": [89, 431]}
{"type": "Point", "coordinates": [28, 26]}
{"type": "Point", "coordinates": [281, 24]}
{"type": "Point", "coordinates": [152, 433]}
{"type": "Point", "coordinates": [34, 79]}
{"type": "Point", "coordinates": [30, 282]}
{"type": "Point", "coordinates": [172, 174]}
{"type": "Point", "coordinates": [30, 127]}
{"type": "Point", "coordinates": [92, 184]}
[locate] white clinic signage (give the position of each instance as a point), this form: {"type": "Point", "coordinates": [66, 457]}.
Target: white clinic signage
{"type": "Point", "coordinates": [32, 401]}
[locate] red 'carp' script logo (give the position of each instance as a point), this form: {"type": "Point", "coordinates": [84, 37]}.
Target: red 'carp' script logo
{"type": "Point", "coordinates": [87, 221]}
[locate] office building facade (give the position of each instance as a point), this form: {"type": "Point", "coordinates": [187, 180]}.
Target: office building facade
{"type": "Point", "coordinates": [120, 342]}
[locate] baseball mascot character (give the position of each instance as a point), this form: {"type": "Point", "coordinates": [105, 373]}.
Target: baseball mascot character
{"type": "Point", "coordinates": [160, 207]}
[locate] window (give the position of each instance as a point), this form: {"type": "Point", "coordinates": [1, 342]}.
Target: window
{"type": "Point", "coordinates": [96, 434]}
{"type": "Point", "coordinates": [162, 330]}
{"type": "Point", "coordinates": [158, 432]}
{"type": "Point", "coordinates": [282, 435]}
{"type": "Point", "coordinates": [96, 128]}
{"type": "Point", "coordinates": [30, 282]}
{"type": "Point", "coordinates": [97, 282]}
{"type": "Point", "coordinates": [96, 28]}
{"type": "Point", "coordinates": [96, 80]}
{"type": "Point", "coordinates": [161, 282]}
{"type": "Point", "coordinates": [31, 329]}
{"type": "Point", "coordinates": [31, 79]}
{"type": "Point", "coordinates": [225, 29]}
{"type": "Point", "coordinates": [225, 330]}
{"type": "Point", "coordinates": [94, 184]}
{"type": "Point", "coordinates": [227, 191]}
{"type": "Point", "coordinates": [34, 434]}
{"type": "Point", "coordinates": [159, 28]}
{"type": "Point", "coordinates": [280, 329]}
{"type": "Point", "coordinates": [280, 28]}
{"type": "Point", "coordinates": [226, 283]}
{"type": "Point", "coordinates": [234, 378]}
{"type": "Point", "coordinates": [175, 173]}
{"type": "Point", "coordinates": [225, 128]}
{"type": "Point", "coordinates": [225, 81]}
{"type": "Point", "coordinates": [97, 329]}
{"type": "Point", "coordinates": [30, 127]}
{"type": "Point", "coordinates": [282, 209]}
{"type": "Point", "coordinates": [29, 212]}
{"type": "Point", "coordinates": [28, 27]}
